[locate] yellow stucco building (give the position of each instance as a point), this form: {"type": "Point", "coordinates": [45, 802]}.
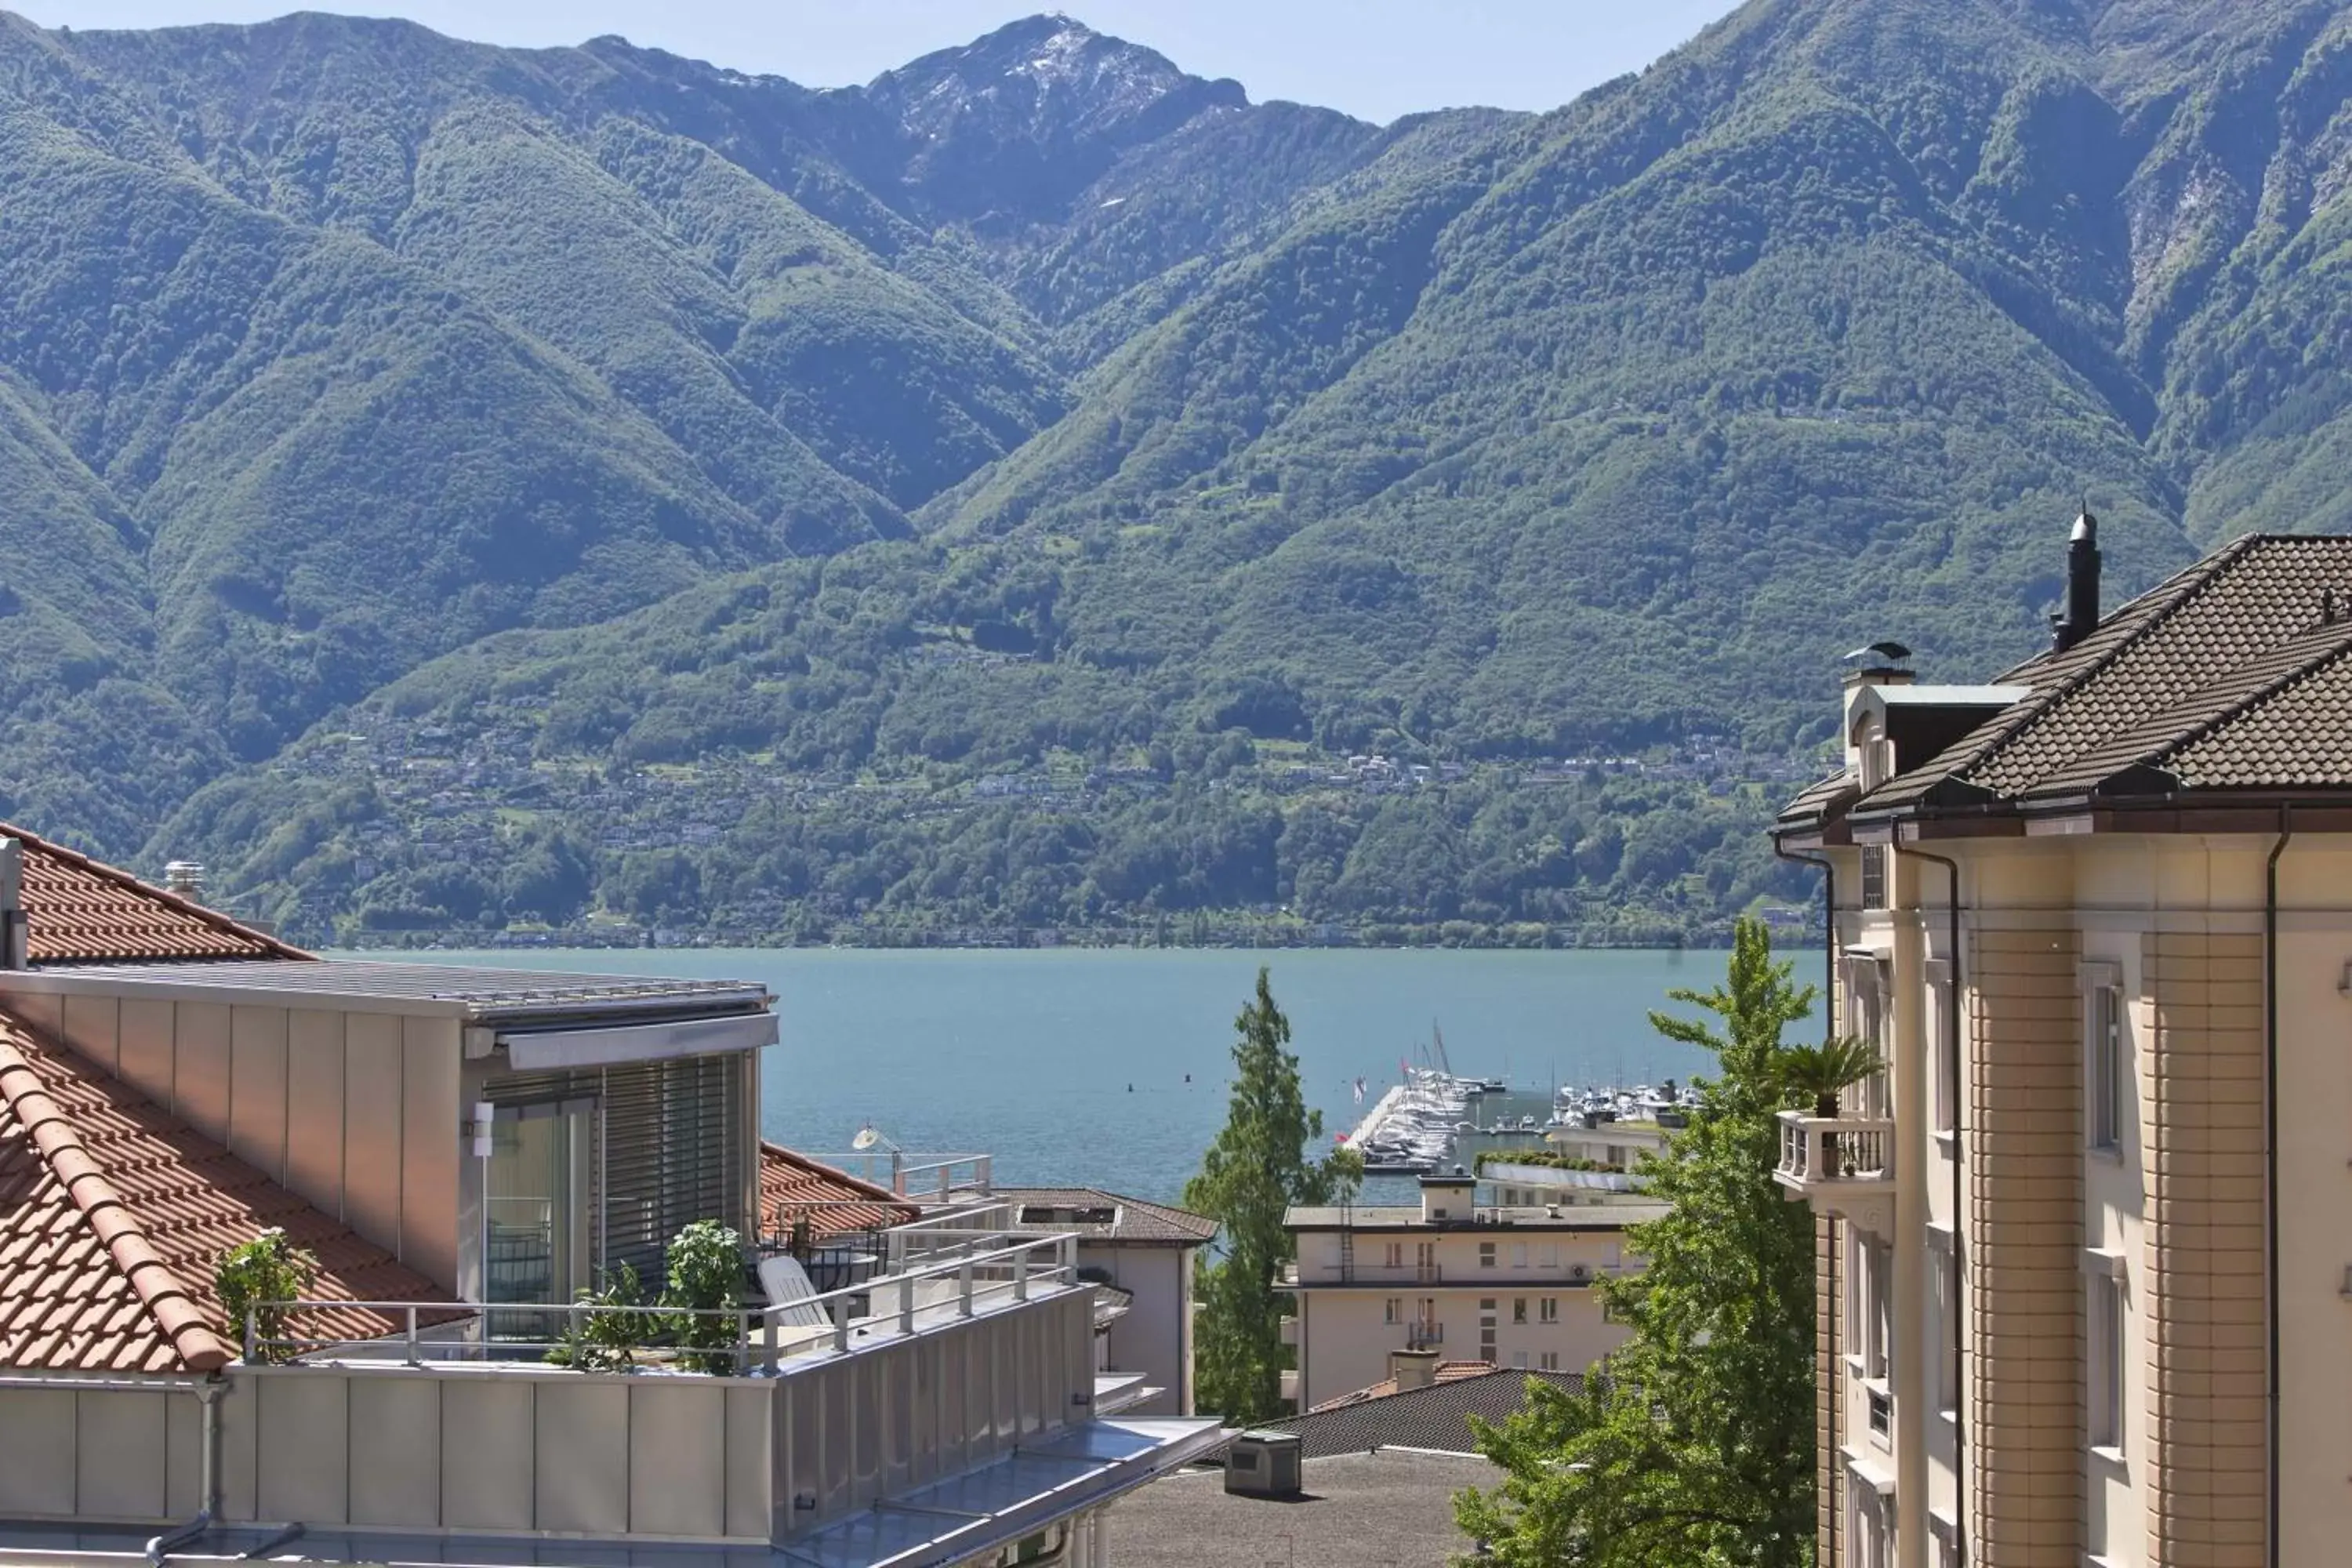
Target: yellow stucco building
{"type": "Point", "coordinates": [2085, 1243]}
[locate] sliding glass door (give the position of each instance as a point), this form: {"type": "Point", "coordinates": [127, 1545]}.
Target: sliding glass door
{"type": "Point", "coordinates": [535, 1241]}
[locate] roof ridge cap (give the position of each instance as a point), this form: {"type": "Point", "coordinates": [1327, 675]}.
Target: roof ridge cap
{"type": "Point", "coordinates": [168, 1300]}
{"type": "Point", "coordinates": [120, 878]}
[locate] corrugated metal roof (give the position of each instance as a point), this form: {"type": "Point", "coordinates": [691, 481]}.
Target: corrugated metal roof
{"type": "Point", "coordinates": [482, 994]}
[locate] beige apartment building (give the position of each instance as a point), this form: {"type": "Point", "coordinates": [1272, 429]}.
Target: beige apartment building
{"type": "Point", "coordinates": [1510, 1286]}
{"type": "Point", "coordinates": [2085, 1245]}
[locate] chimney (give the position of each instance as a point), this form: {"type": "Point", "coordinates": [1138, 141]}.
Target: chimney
{"type": "Point", "coordinates": [13, 934]}
{"type": "Point", "coordinates": [2081, 615]}
{"type": "Point", "coordinates": [185, 877]}
{"type": "Point", "coordinates": [1413, 1369]}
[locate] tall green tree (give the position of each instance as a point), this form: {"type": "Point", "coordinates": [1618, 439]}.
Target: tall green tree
{"type": "Point", "coordinates": [1269, 1157]}
{"type": "Point", "coordinates": [1694, 1449]}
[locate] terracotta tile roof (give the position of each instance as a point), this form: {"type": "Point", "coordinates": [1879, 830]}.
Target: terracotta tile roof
{"type": "Point", "coordinates": [1822, 799]}
{"type": "Point", "coordinates": [1436, 1416]}
{"type": "Point", "coordinates": [1108, 1217]}
{"type": "Point", "coordinates": [2207, 678]}
{"type": "Point", "coordinates": [79, 910]}
{"type": "Point", "coordinates": [112, 1212]}
{"type": "Point", "coordinates": [793, 1186]}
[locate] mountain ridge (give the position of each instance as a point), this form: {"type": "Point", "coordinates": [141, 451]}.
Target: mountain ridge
{"type": "Point", "coordinates": [1038, 405]}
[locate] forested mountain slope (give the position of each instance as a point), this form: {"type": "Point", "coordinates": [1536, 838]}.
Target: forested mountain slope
{"type": "Point", "coordinates": [1041, 413]}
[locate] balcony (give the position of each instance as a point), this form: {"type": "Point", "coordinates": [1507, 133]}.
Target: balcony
{"type": "Point", "coordinates": [1842, 1165]}
{"type": "Point", "coordinates": [1424, 1336]}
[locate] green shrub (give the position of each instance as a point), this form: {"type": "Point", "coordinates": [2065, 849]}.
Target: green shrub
{"type": "Point", "coordinates": [706, 1275]}
{"type": "Point", "coordinates": [607, 1338]}
{"type": "Point", "coordinates": [259, 1278]}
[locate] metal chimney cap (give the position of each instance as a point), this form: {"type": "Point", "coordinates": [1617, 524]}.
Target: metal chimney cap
{"type": "Point", "coordinates": [2086, 528]}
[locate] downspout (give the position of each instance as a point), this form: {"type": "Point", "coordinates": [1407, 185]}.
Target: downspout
{"type": "Point", "coordinates": [1959, 1081]}
{"type": "Point", "coordinates": [2270, 1151]}
{"type": "Point", "coordinates": [208, 1398]}
{"type": "Point", "coordinates": [1828, 1031]}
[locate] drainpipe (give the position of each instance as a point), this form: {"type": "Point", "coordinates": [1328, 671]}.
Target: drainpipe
{"type": "Point", "coordinates": [2269, 1150]}
{"type": "Point", "coordinates": [1959, 1288]}
{"type": "Point", "coordinates": [208, 1398]}
{"type": "Point", "coordinates": [1828, 1031]}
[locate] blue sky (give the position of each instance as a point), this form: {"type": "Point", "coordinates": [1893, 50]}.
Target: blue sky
{"type": "Point", "coordinates": [1375, 58]}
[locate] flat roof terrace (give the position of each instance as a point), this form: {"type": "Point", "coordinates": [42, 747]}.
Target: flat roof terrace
{"type": "Point", "coordinates": [481, 995]}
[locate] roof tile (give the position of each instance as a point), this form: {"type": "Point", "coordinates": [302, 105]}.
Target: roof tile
{"type": "Point", "coordinates": [78, 910]}
{"type": "Point", "coordinates": [793, 1187]}
{"type": "Point", "coordinates": [114, 1270]}
{"type": "Point", "coordinates": [1127, 1219]}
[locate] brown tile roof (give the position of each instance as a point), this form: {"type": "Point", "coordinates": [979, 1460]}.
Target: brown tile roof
{"type": "Point", "coordinates": [79, 910]}
{"type": "Point", "coordinates": [112, 1213]}
{"type": "Point", "coordinates": [1436, 1416]}
{"type": "Point", "coordinates": [793, 1186]}
{"type": "Point", "coordinates": [1822, 799]}
{"type": "Point", "coordinates": [2205, 680]}
{"type": "Point", "coordinates": [1108, 1217]}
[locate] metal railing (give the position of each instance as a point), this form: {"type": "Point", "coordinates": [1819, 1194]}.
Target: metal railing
{"type": "Point", "coordinates": [1418, 1273]}
{"type": "Point", "coordinates": [1835, 1149]}
{"type": "Point", "coordinates": [920, 1178]}
{"type": "Point", "coordinates": [947, 1283]}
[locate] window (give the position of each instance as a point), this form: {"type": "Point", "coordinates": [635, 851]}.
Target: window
{"type": "Point", "coordinates": [1548, 1256]}
{"type": "Point", "coordinates": [2107, 1369]}
{"type": "Point", "coordinates": [1549, 1361]}
{"type": "Point", "coordinates": [1874, 876]}
{"type": "Point", "coordinates": [1425, 1260]}
{"type": "Point", "coordinates": [1518, 1308]}
{"type": "Point", "coordinates": [1944, 1080]}
{"type": "Point", "coordinates": [1869, 1308]}
{"type": "Point", "coordinates": [1865, 1019]}
{"type": "Point", "coordinates": [1486, 1255]}
{"type": "Point", "coordinates": [1518, 1255]}
{"type": "Point", "coordinates": [1944, 1280]}
{"type": "Point", "coordinates": [1548, 1309]}
{"type": "Point", "coordinates": [2103, 1052]}
{"type": "Point", "coordinates": [1393, 1309]}
{"type": "Point", "coordinates": [1519, 1359]}
{"type": "Point", "coordinates": [1395, 1256]}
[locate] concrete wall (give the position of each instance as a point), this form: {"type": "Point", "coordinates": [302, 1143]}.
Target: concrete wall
{"type": "Point", "coordinates": [357, 1113]}
{"type": "Point", "coordinates": [1155, 1337]}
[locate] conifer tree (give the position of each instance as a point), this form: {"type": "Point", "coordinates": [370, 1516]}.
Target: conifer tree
{"type": "Point", "coordinates": [1694, 1449]}
{"type": "Point", "coordinates": [1265, 1160]}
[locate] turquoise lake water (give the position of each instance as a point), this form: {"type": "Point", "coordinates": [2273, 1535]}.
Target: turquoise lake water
{"type": "Point", "coordinates": [1069, 1065]}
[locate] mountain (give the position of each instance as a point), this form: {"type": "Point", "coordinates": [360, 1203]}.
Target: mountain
{"type": "Point", "coordinates": [509, 485]}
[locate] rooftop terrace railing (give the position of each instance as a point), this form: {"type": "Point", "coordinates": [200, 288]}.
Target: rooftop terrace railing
{"type": "Point", "coordinates": [920, 1178]}
{"type": "Point", "coordinates": [941, 1278]}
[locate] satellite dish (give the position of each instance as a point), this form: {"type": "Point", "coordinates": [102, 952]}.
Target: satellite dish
{"type": "Point", "coordinates": [866, 1137]}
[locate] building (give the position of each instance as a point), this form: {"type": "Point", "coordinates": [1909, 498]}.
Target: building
{"type": "Point", "coordinates": [464, 1150]}
{"type": "Point", "coordinates": [1394, 1508]}
{"type": "Point", "coordinates": [2083, 1253]}
{"type": "Point", "coordinates": [1512, 1286]}
{"type": "Point", "coordinates": [1143, 1251]}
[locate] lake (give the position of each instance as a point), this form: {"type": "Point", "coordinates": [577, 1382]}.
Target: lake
{"type": "Point", "coordinates": [1109, 1068]}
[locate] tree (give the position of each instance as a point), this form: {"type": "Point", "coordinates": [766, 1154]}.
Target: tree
{"type": "Point", "coordinates": [1260, 1165]}
{"type": "Point", "coordinates": [1695, 1447]}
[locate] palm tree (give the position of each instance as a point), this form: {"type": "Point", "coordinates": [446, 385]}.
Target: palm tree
{"type": "Point", "coordinates": [1820, 1072]}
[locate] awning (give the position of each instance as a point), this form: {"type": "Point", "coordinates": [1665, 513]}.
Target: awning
{"type": "Point", "coordinates": [533, 1050]}
{"type": "Point", "coordinates": [1035, 1486]}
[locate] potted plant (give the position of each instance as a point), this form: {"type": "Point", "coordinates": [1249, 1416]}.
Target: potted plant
{"type": "Point", "coordinates": [607, 1337]}
{"type": "Point", "coordinates": [705, 1276]}
{"type": "Point", "coordinates": [256, 1283]}
{"type": "Point", "coordinates": [1820, 1073]}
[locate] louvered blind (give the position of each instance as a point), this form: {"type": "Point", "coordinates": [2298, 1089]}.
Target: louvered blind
{"type": "Point", "coordinates": [668, 1151]}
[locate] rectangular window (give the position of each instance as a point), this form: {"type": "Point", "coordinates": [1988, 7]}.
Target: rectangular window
{"type": "Point", "coordinates": [1395, 1255]}
{"type": "Point", "coordinates": [1518, 1255]}
{"type": "Point", "coordinates": [1550, 1361]}
{"type": "Point", "coordinates": [1518, 1308]}
{"type": "Point", "coordinates": [1944, 1067]}
{"type": "Point", "coordinates": [2107, 1369]}
{"type": "Point", "coordinates": [1874, 876]}
{"type": "Point", "coordinates": [1393, 1309]}
{"type": "Point", "coordinates": [1865, 1015]}
{"type": "Point", "coordinates": [1548, 1309]}
{"type": "Point", "coordinates": [1519, 1359]}
{"type": "Point", "coordinates": [1873, 1311]}
{"type": "Point", "coordinates": [1943, 1279]}
{"type": "Point", "coordinates": [1425, 1260]}
{"type": "Point", "coordinates": [1548, 1256]}
{"type": "Point", "coordinates": [2103, 1051]}
{"type": "Point", "coordinates": [1486, 1255]}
